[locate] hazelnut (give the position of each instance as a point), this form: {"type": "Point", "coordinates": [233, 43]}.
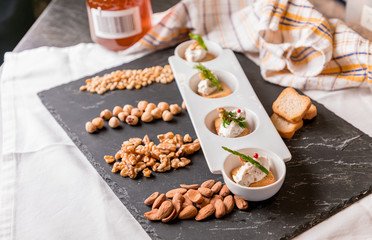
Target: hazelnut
{"type": "Point", "coordinates": [146, 117]}
{"type": "Point", "coordinates": [150, 107]}
{"type": "Point", "coordinates": [106, 114]}
{"type": "Point", "coordinates": [175, 109]}
{"type": "Point", "coordinates": [127, 107]}
{"type": "Point", "coordinates": [123, 115]}
{"type": "Point", "coordinates": [142, 105]}
{"type": "Point", "coordinates": [136, 112]}
{"type": "Point", "coordinates": [98, 122]}
{"type": "Point", "coordinates": [114, 122]}
{"type": "Point", "coordinates": [131, 120]}
{"type": "Point", "coordinates": [163, 106]}
{"type": "Point", "coordinates": [167, 116]}
{"type": "Point", "coordinates": [116, 111]}
{"type": "Point", "coordinates": [156, 113]}
{"type": "Point", "coordinates": [184, 106]}
{"type": "Point", "coordinates": [90, 128]}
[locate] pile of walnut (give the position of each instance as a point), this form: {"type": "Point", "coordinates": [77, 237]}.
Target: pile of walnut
{"type": "Point", "coordinates": [193, 201]}
{"type": "Point", "coordinates": [138, 154]}
{"type": "Point", "coordinates": [128, 79]}
{"type": "Point", "coordinates": [145, 111]}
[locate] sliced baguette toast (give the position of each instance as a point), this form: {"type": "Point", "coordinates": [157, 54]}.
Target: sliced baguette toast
{"type": "Point", "coordinates": [267, 180]}
{"type": "Point", "coordinates": [225, 92]}
{"type": "Point", "coordinates": [291, 106]}
{"type": "Point", "coordinates": [311, 113]}
{"type": "Point", "coordinates": [286, 129]}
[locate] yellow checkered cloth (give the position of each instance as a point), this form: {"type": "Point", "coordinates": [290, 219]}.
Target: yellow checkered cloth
{"type": "Point", "coordinates": [291, 41]}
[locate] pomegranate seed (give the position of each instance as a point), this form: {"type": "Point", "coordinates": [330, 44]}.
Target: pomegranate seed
{"type": "Point", "coordinates": [238, 111]}
{"type": "Point", "coordinates": [255, 155]}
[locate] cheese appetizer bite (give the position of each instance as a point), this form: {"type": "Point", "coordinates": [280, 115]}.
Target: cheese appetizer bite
{"type": "Point", "coordinates": [254, 172]}
{"type": "Point", "coordinates": [198, 51]}
{"type": "Point", "coordinates": [210, 86]}
{"type": "Point", "coordinates": [231, 124]}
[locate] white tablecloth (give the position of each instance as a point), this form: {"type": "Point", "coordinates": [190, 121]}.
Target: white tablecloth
{"type": "Point", "coordinates": [48, 189]}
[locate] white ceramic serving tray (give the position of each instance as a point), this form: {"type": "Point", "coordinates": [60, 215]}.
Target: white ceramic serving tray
{"type": "Point", "coordinates": [202, 111]}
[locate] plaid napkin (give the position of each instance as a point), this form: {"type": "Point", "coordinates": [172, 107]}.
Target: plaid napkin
{"type": "Point", "coordinates": [291, 41]}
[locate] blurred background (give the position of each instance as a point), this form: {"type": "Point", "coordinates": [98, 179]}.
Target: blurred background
{"type": "Point", "coordinates": [17, 16]}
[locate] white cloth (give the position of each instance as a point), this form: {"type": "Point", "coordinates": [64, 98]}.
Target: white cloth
{"type": "Point", "coordinates": [48, 189]}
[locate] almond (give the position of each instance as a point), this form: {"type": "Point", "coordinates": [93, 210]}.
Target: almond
{"type": "Point", "coordinates": [158, 201]}
{"type": "Point", "coordinates": [150, 200]}
{"type": "Point", "coordinates": [178, 196]}
{"type": "Point", "coordinates": [215, 197]}
{"type": "Point", "coordinates": [220, 208]}
{"type": "Point", "coordinates": [152, 215]}
{"type": "Point", "coordinates": [240, 203]}
{"type": "Point", "coordinates": [188, 212]}
{"type": "Point", "coordinates": [192, 186]}
{"type": "Point", "coordinates": [177, 203]}
{"type": "Point", "coordinates": [165, 209]}
{"type": "Point", "coordinates": [205, 212]}
{"type": "Point", "coordinates": [206, 192]}
{"type": "Point", "coordinates": [172, 192]}
{"type": "Point", "coordinates": [228, 201]}
{"type": "Point", "coordinates": [216, 187]}
{"type": "Point", "coordinates": [224, 191]}
{"type": "Point", "coordinates": [208, 183]}
{"type": "Point", "coordinates": [170, 217]}
{"type": "Point", "coordinates": [195, 196]}
{"type": "Point", "coordinates": [205, 202]}
{"type": "Point", "coordinates": [187, 201]}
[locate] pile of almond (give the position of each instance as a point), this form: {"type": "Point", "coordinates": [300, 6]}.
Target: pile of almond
{"type": "Point", "coordinates": [138, 154]}
{"type": "Point", "coordinates": [193, 201]}
{"type": "Point", "coordinates": [128, 79]}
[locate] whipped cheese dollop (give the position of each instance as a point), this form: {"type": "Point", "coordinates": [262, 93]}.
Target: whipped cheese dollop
{"type": "Point", "coordinates": [249, 173]}
{"type": "Point", "coordinates": [195, 53]}
{"type": "Point", "coordinates": [233, 129]}
{"type": "Point", "coordinates": [205, 87]}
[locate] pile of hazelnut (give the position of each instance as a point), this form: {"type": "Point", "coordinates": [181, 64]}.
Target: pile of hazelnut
{"type": "Point", "coordinates": [145, 111]}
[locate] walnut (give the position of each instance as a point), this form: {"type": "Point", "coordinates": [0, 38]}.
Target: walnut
{"type": "Point", "coordinates": [109, 159]}
{"type": "Point", "coordinates": [179, 140]}
{"type": "Point", "coordinates": [189, 148]}
{"type": "Point", "coordinates": [175, 163]}
{"type": "Point", "coordinates": [146, 172]}
{"type": "Point", "coordinates": [146, 139]}
{"type": "Point", "coordinates": [187, 138]}
{"type": "Point", "coordinates": [184, 162]}
{"type": "Point", "coordinates": [135, 141]}
{"type": "Point", "coordinates": [166, 147]}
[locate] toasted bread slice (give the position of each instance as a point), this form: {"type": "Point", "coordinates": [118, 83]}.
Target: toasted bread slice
{"type": "Point", "coordinates": [235, 171]}
{"type": "Point", "coordinates": [225, 92]}
{"type": "Point", "coordinates": [311, 113]}
{"type": "Point", "coordinates": [267, 180]}
{"type": "Point", "coordinates": [217, 124]}
{"type": "Point", "coordinates": [291, 106]}
{"type": "Point", "coordinates": [286, 129]}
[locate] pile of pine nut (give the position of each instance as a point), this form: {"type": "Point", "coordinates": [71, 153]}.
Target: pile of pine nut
{"type": "Point", "coordinates": [128, 79]}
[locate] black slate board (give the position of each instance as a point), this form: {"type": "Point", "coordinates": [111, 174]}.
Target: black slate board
{"type": "Point", "coordinates": [331, 166]}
